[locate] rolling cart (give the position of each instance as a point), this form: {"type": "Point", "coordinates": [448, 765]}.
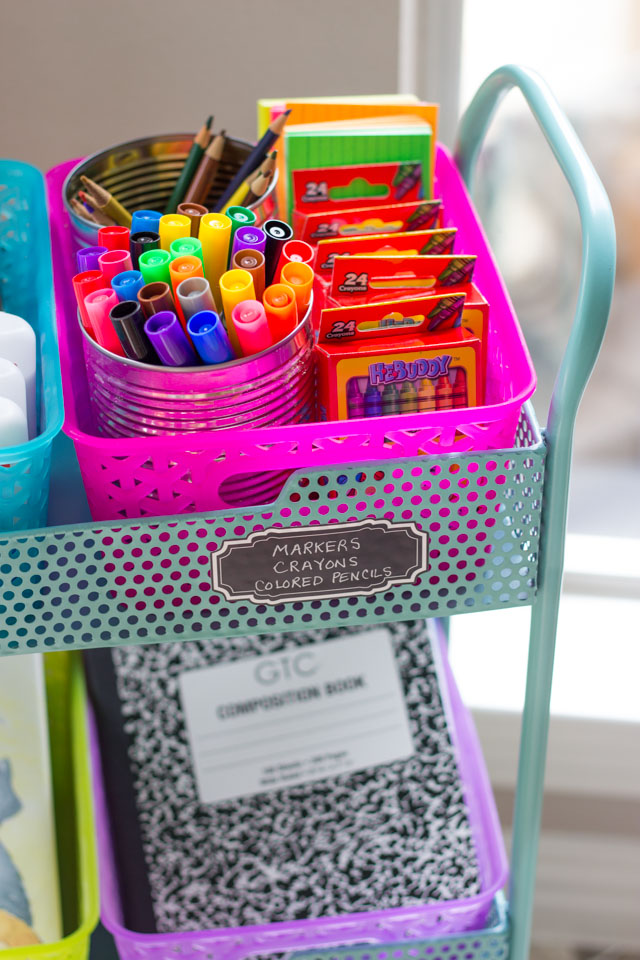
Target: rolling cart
{"type": "Point", "coordinates": [81, 585]}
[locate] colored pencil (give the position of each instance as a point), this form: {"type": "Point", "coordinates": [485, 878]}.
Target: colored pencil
{"type": "Point", "coordinates": [263, 146]}
{"type": "Point", "coordinates": [199, 145]}
{"type": "Point", "coordinates": [106, 203]}
{"type": "Point", "coordinates": [205, 174]}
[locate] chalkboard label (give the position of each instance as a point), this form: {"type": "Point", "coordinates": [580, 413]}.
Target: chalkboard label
{"type": "Point", "coordinates": [312, 563]}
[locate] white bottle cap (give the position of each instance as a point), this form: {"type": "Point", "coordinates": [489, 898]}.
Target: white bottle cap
{"type": "Point", "coordinates": [12, 384]}
{"type": "Point", "coordinates": [18, 344]}
{"type": "Point", "coordinates": [13, 424]}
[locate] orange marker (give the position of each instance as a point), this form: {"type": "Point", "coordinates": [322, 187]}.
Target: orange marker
{"type": "Point", "coordinates": [299, 276]}
{"type": "Point", "coordinates": [182, 268]}
{"type": "Point", "coordinates": [235, 287]}
{"type": "Point", "coordinates": [282, 313]}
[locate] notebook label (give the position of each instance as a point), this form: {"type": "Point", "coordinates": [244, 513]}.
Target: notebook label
{"type": "Point", "coordinates": [309, 563]}
{"type": "Point", "coordinates": [298, 715]}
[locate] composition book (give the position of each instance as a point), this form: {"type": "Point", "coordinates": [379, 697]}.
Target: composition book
{"type": "Point", "coordinates": [253, 780]}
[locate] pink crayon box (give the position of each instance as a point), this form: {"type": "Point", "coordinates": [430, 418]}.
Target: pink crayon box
{"type": "Point", "coordinates": [356, 221]}
{"type": "Point", "coordinates": [358, 280]}
{"type": "Point", "coordinates": [377, 359]}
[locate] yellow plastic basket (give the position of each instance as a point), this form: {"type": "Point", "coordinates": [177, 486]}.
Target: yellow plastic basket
{"type": "Point", "coordinates": [75, 832]}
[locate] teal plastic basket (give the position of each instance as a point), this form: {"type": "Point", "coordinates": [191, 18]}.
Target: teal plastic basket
{"type": "Point", "coordinates": [26, 289]}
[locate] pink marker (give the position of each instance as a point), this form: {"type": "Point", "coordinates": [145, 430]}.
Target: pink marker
{"type": "Point", "coordinates": [114, 262]}
{"type": "Point", "coordinates": [252, 328]}
{"type": "Point", "coordinates": [98, 305]}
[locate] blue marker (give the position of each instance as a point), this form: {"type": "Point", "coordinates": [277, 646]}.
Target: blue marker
{"type": "Point", "coordinates": [146, 221]}
{"type": "Point", "coordinates": [372, 401]}
{"type": "Point", "coordinates": [127, 284]}
{"type": "Point", "coordinates": [210, 337]}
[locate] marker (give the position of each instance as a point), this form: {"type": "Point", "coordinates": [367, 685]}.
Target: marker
{"type": "Point", "coordinates": [169, 340]}
{"type": "Point", "coordinates": [13, 424]}
{"type": "Point", "coordinates": [145, 221]}
{"type": "Point", "coordinates": [296, 250]}
{"type": "Point", "coordinates": [408, 398]}
{"type": "Point", "coordinates": [84, 283]}
{"type": "Point", "coordinates": [128, 321]}
{"type": "Point", "coordinates": [12, 385]}
{"type": "Point", "coordinates": [113, 262]}
{"type": "Point", "coordinates": [181, 269]}
{"type": "Point", "coordinates": [87, 258]}
{"type": "Point", "coordinates": [426, 395]}
{"type": "Point", "coordinates": [99, 305]}
{"type": "Point", "coordinates": [114, 237]}
{"type": "Point", "coordinates": [235, 286]}
{"type": "Point", "coordinates": [372, 401]}
{"type": "Point", "coordinates": [278, 232]}
{"type": "Point", "coordinates": [240, 217]}
{"type": "Point", "coordinates": [209, 337]}
{"type": "Point", "coordinates": [248, 238]}
{"type": "Point", "coordinates": [172, 227]}
{"type": "Point", "coordinates": [154, 266]}
{"type": "Point", "coordinates": [194, 296]}
{"type": "Point", "coordinates": [155, 298]}
{"type": "Point", "coordinates": [389, 399]}
{"type": "Point", "coordinates": [355, 400]}
{"type": "Point", "coordinates": [195, 212]}
{"type": "Point", "coordinates": [252, 328]}
{"type": "Point", "coordinates": [253, 262]}
{"type": "Point", "coordinates": [140, 243]}
{"type": "Point", "coordinates": [215, 237]}
{"type": "Point", "coordinates": [127, 284]}
{"type": "Point", "coordinates": [299, 276]}
{"type": "Point", "coordinates": [186, 247]}
{"type": "Point", "coordinates": [282, 313]}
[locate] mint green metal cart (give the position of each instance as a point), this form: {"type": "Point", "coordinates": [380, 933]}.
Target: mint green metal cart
{"type": "Point", "coordinates": [64, 586]}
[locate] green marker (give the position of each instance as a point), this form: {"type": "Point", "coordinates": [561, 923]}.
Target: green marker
{"type": "Point", "coordinates": [198, 147]}
{"type": "Point", "coordinates": [186, 247]}
{"type": "Point", "coordinates": [240, 217]}
{"type": "Point", "coordinates": [154, 266]}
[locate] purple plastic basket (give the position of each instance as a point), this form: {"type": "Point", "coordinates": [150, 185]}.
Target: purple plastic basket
{"type": "Point", "coordinates": [385, 926]}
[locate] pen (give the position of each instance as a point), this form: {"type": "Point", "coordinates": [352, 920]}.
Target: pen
{"type": "Point", "coordinates": [128, 321]}
{"type": "Point", "coordinates": [140, 243]}
{"type": "Point", "coordinates": [155, 298]}
{"type": "Point", "coordinates": [169, 340]}
{"type": "Point", "coordinates": [299, 276]}
{"type": "Point", "coordinates": [127, 284]}
{"type": "Point", "coordinates": [99, 305]}
{"type": "Point", "coordinates": [87, 258]}
{"type": "Point", "coordinates": [113, 262]}
{"type": "Point", "coordinates": [195, 212]}
{"type": "Point", "coordinates": [194, 296]}
{"type": "Point", "coordinates": [281, 310]}
{"type": "Point", "coordinates": [210, 337]}
{"type": "Point", "coordinates": [248, 238]}
{"type": "Point", "coordinates": [253, 262]}
{"type": "Point", "coordinates": [278, 232]}
{"type": "Point", "coordinates": [251, 326]}
{"type": "Point", "coordinates": [145, 220]}
{"type": "Point", "coordinates": [154, 266]}
{"type": "Point", "coordinates": [83, 284]}
{"type": "Point", "coordinates": [114, 237]}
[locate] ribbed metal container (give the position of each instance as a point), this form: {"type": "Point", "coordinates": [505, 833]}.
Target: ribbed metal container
{"type": "Point", "coordinates": [141, 175]}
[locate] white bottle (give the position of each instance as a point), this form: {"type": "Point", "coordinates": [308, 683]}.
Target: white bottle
{"type": "Point", "coordinates": [18, 344]}
{"type": "Point", "coordinates": [12, 384]}
{"type": "Point", "coordinates": [13, 424]}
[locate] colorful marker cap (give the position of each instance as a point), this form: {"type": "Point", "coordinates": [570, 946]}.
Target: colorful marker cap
{"type": "Point", "coordinates": [210, 337]}
{"type": "Point", "coordinates": [83, 284]}
{"type": "Point", "coordinates": [195, 212]}
{"type": "Point", "coordinates": [99, 305]}
{"type": "Point", "coordinates": [215, 237]}
{"type": "Point", "coordinates": [252, 327]}
{"type": "Point", "coordinates": [87, 258]}
{"type": "Point", "coordinates": [240, 217]}
{"type": "Point", "coordinates": [172, 226]}
{"type": "Point", "coordinates": [282, 313]}
{"type": "Point", "coordinates": [248, 238]}
{"type": "Point", "coordinates": [278, 232]}
{"type": "Point", "coordinates": [194, 296]}
{"type": "Point", "coordinates": [186, 247]}
{"type": "Point", "coordinates": [145, 220]}
{"type": "Point", "coordinates": [113, 262]}
{"type": "Point", "coordinates": [235, 286]}
{"type": "Point", "coordinates": [154, 266]}
{"type": "Point", "coordinates": [297, 250]}
{"type": "Point", "coordinates": [299, 276]}
{"type": "Point", "coordinates": [184, 267]}
{"type": "Point", "coordinates": [140, 242]}
{"type": "Point", "coordinates": [114, 237]}
{"type": "Point", "coordinates": [127, 284]}
{"type": "Point", "coordinates": [169, 340]}
{"type": "Point", "coordinates": [253, 262]}
{"type": "Point", "coordinates": [155, 297]}
{"type": "Point", "coordinates": [128, 321]}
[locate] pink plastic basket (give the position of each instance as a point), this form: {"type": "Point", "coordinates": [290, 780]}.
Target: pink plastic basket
{"type": "Point", "coordinates": [189, 473]}
{"type": "Point", "coordinates": [385, 926]}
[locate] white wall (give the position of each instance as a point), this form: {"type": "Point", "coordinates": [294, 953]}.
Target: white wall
{"type": "Point", "coordinates": [80, 75]}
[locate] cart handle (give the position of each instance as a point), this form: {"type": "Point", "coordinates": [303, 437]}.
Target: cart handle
{"type": "Point", "coordinates": [598, 230]}
{"type": "Point", "coordinates": [585, 339]}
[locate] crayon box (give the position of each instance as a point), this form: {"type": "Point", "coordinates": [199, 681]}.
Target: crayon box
{"type": "Point", "coordinates": [366, 184]}
{"type": "Point", "coordinates": [357, 280]}
{"type": "Point", "coordinates": [356, 221]}
{"type": "Point", "coordinates": [380, 359]}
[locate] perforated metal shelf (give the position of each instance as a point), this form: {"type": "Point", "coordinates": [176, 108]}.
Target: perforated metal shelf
{"type": "Point", "coordinates": [95, 585]}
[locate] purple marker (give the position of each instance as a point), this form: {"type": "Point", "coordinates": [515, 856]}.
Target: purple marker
{"type": "Point", "coordinates": [372, 401]}
{"type": "Point", "coordinates": [355, 400]}
{"type": "Point", "coordinates": [169, 340]}
{"type": "Point", "coordinates": [87, 258]}
{"type": "Point", "coordinates": [248, 238]}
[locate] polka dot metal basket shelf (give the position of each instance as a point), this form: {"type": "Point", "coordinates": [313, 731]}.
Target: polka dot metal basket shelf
{"type": "Point", "coordinates": [477, 516]}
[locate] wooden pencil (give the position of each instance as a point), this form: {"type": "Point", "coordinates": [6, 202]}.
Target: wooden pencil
{"type": "Point", "coordinates": [99, 217]}
{"type": "Point", "coordinates": [265, 144]}
{"type": "Point", "coordinates": [200, 143]}
{"type": "Point", "coordinates": [203, 178]}
{"type": "Point", "coordinates": [106, 203]}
